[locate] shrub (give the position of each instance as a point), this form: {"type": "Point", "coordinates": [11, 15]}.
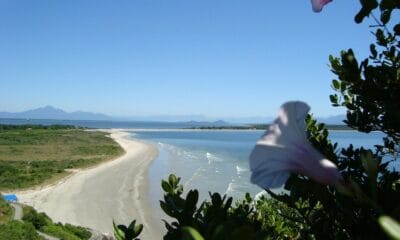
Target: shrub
{"type": "Point", "coordinates": [6, 211]}
{"type": "Point", "coordinates": [16, 230]}
{"type": "Point", "coordinates": [38, 220]}
{"type": "Point", "coordinates": [43, 223]}
{"type": "Point", "coordinates": [57, 230]}
{"type": "Point", "coordinates": [78, 231]}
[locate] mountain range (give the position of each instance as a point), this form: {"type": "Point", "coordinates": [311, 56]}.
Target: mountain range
{"type": "Point", "coordinates": [50, 112]}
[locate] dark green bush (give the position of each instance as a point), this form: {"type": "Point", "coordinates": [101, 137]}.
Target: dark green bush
{"type": "Point", "coordinates": [44, 224]}
{"type": "Point", "coordinates": [57, 230]}
{"type": "Point", "coordinates": [213, 219]}
{"type": "Point", "coordinates": [16, 230]}
{"type": "Point", "coordinates": [6, 211]}
{"type": "Point", "coordinates": [78, 231]}
{"type": "Point", "coordinates": [38, 220]}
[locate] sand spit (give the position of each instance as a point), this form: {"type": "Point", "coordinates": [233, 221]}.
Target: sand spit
{"type": "Point", "coordinates": [93, 197]}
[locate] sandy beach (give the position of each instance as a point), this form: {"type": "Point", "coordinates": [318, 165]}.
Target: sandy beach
{"type": "Point", "coordinates": [93, 197]}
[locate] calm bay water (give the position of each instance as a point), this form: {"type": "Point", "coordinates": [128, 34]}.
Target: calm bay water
{"type": "Point", "coordinates": [209, 160]}
{"type": "Point", "coordinates": [217, 161]}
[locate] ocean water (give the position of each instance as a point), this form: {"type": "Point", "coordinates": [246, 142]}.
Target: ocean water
{"type": "Point", "coordinates": [217, 160]}
{"type": "Point", "coordinates": [109, 124]}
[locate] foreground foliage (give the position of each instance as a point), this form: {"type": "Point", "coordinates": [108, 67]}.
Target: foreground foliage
{"type": "Point", "coordinates": [221, 218]}
{"type": "Point", "coordinates": [365, 204]}
{"type": "Point", "coordinates": [121, 232]}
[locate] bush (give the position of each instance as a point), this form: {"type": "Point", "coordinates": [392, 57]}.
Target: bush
{"type": "Point", "coordinates": [16, 230]}
{"type": "Point", "coordinates": [6, 210]}
{"type": "Point", "coordinates": [78, 231]}
{"type": "Point", "coordinates": [44, 224]}
{"type": "Point", "coordinates": [57, 230]}
{"type": "Point", "coordinates": [38, 220]}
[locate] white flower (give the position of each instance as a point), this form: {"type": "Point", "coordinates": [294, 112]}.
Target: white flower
{"type": "Point", "coordinates": [284, 148]}
{"type": "Point", "coordinates": [317, 5]}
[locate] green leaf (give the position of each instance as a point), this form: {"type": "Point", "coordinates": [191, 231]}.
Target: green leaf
{"type": "Point", "coordinates": [390, 226]}
{"type": "Point", "coordinates": [396, 29]}
{"type": "Point", "coordinates": [190, 233]}
{"type": "Point", "coordinates": [336, 84]}
{"type": "Point", "coordinates": [334, 99]}
{"type": "Point", "coordinates": [380, 37]}
{"type": "Point", "coordinates": [370, 164]}
{"type": "Point", "coordinates": [216, 199]}
{"type": "Point", "coordinates": [167, 210]}
{"type": "Point", "coordinates": [173, 180]}
{"type": "Point", "coordinates": [372, 48]}
{"type": "Point", "coordinates": [137, 230]}
{"type": "Point", "coordinates": [132, 225]}
{"type": "Point", "coordinates": [166, 187]}
{"type": "Point", "coordinates": [191, 200]}
{"type": "Point", "coordinates": [118, 233]}
{"type": "Point", "coordinates": [360, 15]}
{"type": "Point", "coordinates": [385, 16]}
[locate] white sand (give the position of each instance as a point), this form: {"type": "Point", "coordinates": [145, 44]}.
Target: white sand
{"type": "Point", "coordinates": [93, 197]}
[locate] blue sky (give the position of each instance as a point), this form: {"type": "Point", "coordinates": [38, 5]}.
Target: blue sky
{"type": "Point", "coordinates": [218, 58]}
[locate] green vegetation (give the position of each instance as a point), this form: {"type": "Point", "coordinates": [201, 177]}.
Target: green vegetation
{"type": "Point", "coordinates": [16, 230]}
{"type": "Point", "coordinates": [262, 127]}
{"type": "Point", "coordinates": [32, 222]}
{"type": "Point", "coordinates": [121, 232]}
{"type": "Point", "coordinates": [32, 126]}
{"type": "Point", "coordinates": [31, 155]}
{"type": "Point", "coordinates": [43, 223]}
{"type": "Point", "coordinates": [6, 211]}
{"type": "Point", "coordinates": [219, 218]}
{"type": "Point", "coordinates": [364, 203]}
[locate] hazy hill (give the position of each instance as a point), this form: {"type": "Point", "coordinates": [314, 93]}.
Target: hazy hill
{"type": "Point", "coordinates": [49, 112]}
{"type": "Point", "coordinates": [338, 119]}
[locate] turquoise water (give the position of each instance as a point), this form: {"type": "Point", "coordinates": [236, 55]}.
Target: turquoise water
{"type": "Point", "coordinates": [217, 161]}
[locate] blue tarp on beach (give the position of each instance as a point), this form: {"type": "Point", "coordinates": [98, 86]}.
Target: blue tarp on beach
{"type": "Point", "coordinates": [10, 198]}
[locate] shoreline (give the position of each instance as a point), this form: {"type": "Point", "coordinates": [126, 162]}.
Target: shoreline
{"type": "Point", "coordinates": [114, 190]}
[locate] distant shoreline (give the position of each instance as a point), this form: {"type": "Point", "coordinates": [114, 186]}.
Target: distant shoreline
{"type": "Point", "coordinates": [263, 127]}
{"type": "Point", "coordinates": [149, 124]}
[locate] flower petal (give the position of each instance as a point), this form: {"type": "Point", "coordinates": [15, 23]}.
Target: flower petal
{"type": "Point", "coordinates": [284, 148]}
{"type": "Point", "coordinates": [267, 180]}
{"type": "Point", "coordinates": [317, 5]}
{"type": "Point", "coordinates": [289, 126]}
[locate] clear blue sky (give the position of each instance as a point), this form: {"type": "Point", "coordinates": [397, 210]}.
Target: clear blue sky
{"type": "Point", "coordinates": [219, 58]}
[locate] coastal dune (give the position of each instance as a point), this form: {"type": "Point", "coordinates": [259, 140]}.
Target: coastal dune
{"type": "Point", "coordinates": [93, 197]}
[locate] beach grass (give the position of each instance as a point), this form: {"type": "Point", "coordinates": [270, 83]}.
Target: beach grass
{"type": "Point", "coordinates": [29, 157]}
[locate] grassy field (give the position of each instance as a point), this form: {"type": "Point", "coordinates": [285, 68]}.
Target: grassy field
{"type": "Point", "coordinates": [32, 156]}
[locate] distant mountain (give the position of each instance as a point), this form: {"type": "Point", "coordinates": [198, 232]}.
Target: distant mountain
{"type": "Point", "coordinates": [336, 120]}
{"type": "Point", "coordinates": [49, 112]}
{"type": "Point", "coordinates": [250, 120]}
{"type": "Point", "coordinates": [163, 118]}
{"type": "Point", "coordinates": [219, 123]}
